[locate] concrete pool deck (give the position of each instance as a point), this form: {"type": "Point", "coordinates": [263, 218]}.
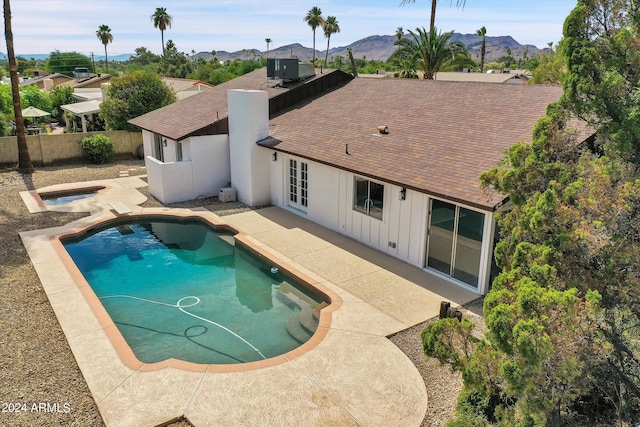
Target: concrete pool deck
{"type": "Point", "coordinates": [353, 376]}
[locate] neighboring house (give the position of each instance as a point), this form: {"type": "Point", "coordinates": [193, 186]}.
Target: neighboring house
{"type": "Point", "coordinates": [88, 81]}
{"type": "Point", "coordinates": [491, 76]}
{"type": "Point", "coordinates": [185, 88]}
{"type": "Point", "coordinates": [393, 163]}
{"type": "Point", "coordinates": [87, 94]}
{"type": "Point", "coordinates": [46, 81]}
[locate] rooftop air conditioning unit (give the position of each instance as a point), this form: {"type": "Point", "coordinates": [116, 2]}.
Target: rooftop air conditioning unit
{"type": "Point", "coordinates": [289, 69]}
{"type": "Point", "coordinates": [81, 73]}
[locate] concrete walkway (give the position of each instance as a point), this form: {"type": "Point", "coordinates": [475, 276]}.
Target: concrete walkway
{"type": "Point", "coordinates": [354, 376]}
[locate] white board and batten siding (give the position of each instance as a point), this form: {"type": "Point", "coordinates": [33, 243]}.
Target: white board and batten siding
{"type": "Point", "coordinates": [331, 205]}
{"type": "Point", "coordinates": [403, 230]}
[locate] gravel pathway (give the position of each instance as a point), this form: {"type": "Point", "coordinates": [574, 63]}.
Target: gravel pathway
{"type": "Point", "coordinates": [40, 382]}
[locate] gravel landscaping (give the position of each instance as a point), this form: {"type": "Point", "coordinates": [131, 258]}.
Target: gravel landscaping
{"type": "Point", "coordinates": [41, 383]}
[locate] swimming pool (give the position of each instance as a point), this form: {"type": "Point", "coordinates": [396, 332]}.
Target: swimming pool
{"type": "Point", "coordinates": [177, 289]}
{"type": "Point", "coordinates": [62, 197]}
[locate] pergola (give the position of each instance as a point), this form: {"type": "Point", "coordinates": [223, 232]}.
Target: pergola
{"type": "Point", "coordinates": [83, 110]}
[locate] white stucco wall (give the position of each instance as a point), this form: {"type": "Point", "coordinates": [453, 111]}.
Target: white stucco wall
{"type": "Point", "coordinates": [209, 157]}
{"type": "Point", "coordinates": [147, 142]}
{"type": "Point", "coordinates": [250, 163]}
{"type": "Point", "coordinates": [169, 182]}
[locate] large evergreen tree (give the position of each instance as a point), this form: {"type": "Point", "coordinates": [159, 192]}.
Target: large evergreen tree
{"type": "Point", "coordinates": [563, 345]}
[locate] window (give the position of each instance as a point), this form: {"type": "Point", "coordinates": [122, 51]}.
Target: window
{"type": "Point", "coordinates": [298, 184]}
{"type": "Point", "coordinates": [368, 197]}
{"type": "Point", "coordinates": [157, 147]}
{"type": "Point", "coordinates": [179, 151]}
{"type": "Point", "coordinates": [455, 241]}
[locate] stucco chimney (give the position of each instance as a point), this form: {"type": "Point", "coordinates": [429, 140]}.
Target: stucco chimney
{"type": "Point", "coordinates": [249, 123]}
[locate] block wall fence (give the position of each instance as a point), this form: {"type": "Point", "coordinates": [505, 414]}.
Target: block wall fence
{"type": "Point", "coordinates": [46, 150]}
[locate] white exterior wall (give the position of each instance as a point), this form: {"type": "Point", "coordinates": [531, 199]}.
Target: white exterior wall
{"type": "Point", "coordinates": [204, 168]}
{"type": "Point", "coordinates": [209, 156]}
{"type": "Point", "coordinates": [170, 182]}
{"type": "Point", "coordinates": [250, 163]}
{"type": "Point", "coordinates": [401, 233]}
{"type": "Point", "coordinates": [147, 142]}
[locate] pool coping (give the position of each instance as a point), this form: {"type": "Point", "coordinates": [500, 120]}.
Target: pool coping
{"type": "Point", "coordinates": [35, 203]}
{"type": "Point", "coordinates": [117, 339]}
{"type": "Point", "coordinates": [352, 376]}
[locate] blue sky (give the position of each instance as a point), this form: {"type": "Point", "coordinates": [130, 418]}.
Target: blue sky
{"type": "Point", "coordinates": [41, 26]}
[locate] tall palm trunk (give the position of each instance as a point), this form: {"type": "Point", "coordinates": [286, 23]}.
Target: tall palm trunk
{"type": "Point", "coordinates": [106, 58]}
{"type": "Point", "coordinates": [432, 23]}
{"type": "Point", "coordinates": [24, 160]}
{"type": "Point", "coordinates": [483, 51]}
{"type": "Point", "coordinates": [313, 60]}
{"type": "Point", "coordinates": [164, 58]}
{"type": "Point", "coordinates": [326, 55]}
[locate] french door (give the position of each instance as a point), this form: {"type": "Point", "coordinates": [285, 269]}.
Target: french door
{"type": "Point", "coordinates": [298, 184]}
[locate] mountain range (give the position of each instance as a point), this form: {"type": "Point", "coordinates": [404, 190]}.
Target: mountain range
{"type": "Point", "coordinates": [381, 47]}
{"type": "Point", "coordinates": [372, 47]}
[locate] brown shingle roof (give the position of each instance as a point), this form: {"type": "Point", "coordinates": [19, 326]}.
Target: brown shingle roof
{"type": "Point", "coordinates": [93, 82]}
{"type": "Point", "coordinates": [191, 115]}
{"type": "Point", "coordinates": [442, 135]}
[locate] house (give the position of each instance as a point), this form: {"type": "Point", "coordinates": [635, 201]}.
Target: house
{"type": "Point", "coordinates": [184, 88]}
{"type": "Point", "coordinates": [392, 163]}
{"type": "Point", "coordinates": [491, 76]}
{"type": "Point", "coordinates": [88, 81]}
{"type": "Point", "coordinates": [46, 81]}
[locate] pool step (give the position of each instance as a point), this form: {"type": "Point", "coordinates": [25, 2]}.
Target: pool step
{"type": "Point", "coordinates": [309, 317]}
{"type": "Point", "coordinates": [301, 324]}
{"type": "Point", "coordinates": [290, 290]}
{"type": "Point", "coordinates": [296, 330]}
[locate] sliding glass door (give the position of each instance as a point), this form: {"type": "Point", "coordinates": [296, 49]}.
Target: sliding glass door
{"type": "Point", "coordinates": [455, 241]}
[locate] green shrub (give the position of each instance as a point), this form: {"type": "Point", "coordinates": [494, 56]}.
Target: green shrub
{"type": "Point", "coordinates": [99, 148]}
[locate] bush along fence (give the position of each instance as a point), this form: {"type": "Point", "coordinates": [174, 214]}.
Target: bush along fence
{"type": "Point", "coordinates": [46, 150]}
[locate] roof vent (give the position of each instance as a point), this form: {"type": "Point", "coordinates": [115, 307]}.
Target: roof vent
{"type": "Point", "coordinates": [383, 130]}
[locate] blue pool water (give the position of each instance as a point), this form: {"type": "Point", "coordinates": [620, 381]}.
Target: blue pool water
{"type": "Point", "coordinates": [180, 290]}
{"type": "Point", "coordinates": [63, 199]}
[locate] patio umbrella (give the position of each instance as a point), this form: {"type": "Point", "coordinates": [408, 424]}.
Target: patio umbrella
{"type": "Point", "coordinates": [34, 112]}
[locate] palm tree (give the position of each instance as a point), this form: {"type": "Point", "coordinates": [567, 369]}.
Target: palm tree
{"type": "Point", "coordinates": [432, 23]}
{"type": "Point", "coordinates": [330, 26]}
{"type": "Point", "coordinates": [105, 36]}
{"type": "Point", "coordinates": [24, 160]}
{"type": "Point", "coordinates": [161, 19]}
{"type": "Point", "coordinates": [482, 32]}
{"type": "Point", "coordinates": [432, 51]}
{"type": "Point", "coordinates": [406, 69]}
{"type": "Point", "coordinates": [314, 19]}
{"type": "Point", "coordinates": [399, 33]}
{"type": "Point", "coordinates": [269, 41]}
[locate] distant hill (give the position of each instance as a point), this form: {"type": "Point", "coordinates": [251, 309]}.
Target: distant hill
{"type": "Point", "coordinates": [381, 47]}
{"type": "Point", "coordinates": [44, 56]}
{"type": "Point", "coordinates": [372, 47]}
